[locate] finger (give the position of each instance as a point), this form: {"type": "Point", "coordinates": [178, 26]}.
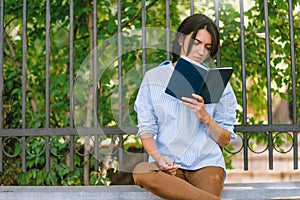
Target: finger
{"type": "Point", "coordinates": [174, 170]}
{"type": "Point", "coordinates": [187, 104]}
{"type": "Point", "coordinates": [173, 167]}
{"type": "Point", "coordinates": [198, 97]}
{"type": "Point", "coordinates": [164, 163]}
{"type": "Point", "coordinates": [164, 166]}
{"type": "Point", "coordinates": [173, 173]}
{"type": "Point", "coordinates": [189, 101]}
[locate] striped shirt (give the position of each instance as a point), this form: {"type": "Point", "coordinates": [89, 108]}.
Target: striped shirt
{"type": "Point", "coordinates": [178, 133]}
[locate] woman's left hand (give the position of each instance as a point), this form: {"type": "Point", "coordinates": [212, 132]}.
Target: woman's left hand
{"type": "Point", "coordinates": [220, 135]}
{"type": "Point", "coordinates": [198, 107]}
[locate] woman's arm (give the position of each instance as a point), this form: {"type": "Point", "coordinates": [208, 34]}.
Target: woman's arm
{"type": "Point", "coordinates": [219, 134]}
{"type": "Point", "coordinates": [149, 145]}
{"type": "Point", "coordinates": [164, 162]}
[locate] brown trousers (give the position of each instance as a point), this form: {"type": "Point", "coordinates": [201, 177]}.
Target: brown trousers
{"type": "Point", "coordinates": [206, 183]}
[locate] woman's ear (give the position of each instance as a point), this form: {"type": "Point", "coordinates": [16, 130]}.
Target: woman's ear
{"type": "Point", "coordinates": [180, 41]}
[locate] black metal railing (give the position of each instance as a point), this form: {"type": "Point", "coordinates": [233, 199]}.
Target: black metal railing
{"type": "Point", "coordinates": [23, 135]}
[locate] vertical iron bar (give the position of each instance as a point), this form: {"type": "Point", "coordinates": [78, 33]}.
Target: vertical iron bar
{"type": "Point", "coordinates": [217, 2]}
{"type": "Point", "coordinates": [242, 33]}
{"type": "Point", "coordinates": [1, 77]}
{"type": "Point", "coordinates": [270, 138]}
{"type": "Point", "coordinates": [120, 91]}
{"type": "Point", "coordinates": [95, 65]}
{"type": "Point", "coordinates": [71, 153]}
{"type": "Point", "coordinates": [293, 72]}
{"type": "Point", "coordinates": [295, 150]}
{"type": "Point", "coordinates": [192, 6]}
{"type": "Point", "coordinates": [144, 37]}
{"type": "Point", "coordinates": [1, 155]}
{"type": "Point", "coordinates": [47, 140]}
{"type": "Point", "coordinates": [144, 68]}
{"type": "Point", "coordinates": [71, 83]}
{"type": "Point", "coordinates": [168, 29]}
{"type": "Point", "coordinates": [24, 81]}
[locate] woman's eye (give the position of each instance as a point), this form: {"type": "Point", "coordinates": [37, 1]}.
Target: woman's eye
{"type": "Point", "coordinates": [208, 48]}
{"type": "Point", "coordinates": [196, 42]}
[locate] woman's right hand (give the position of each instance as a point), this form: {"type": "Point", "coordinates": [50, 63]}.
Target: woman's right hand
{"type": "Point", "coordinates": [163, 162]}
{"type": "Point", "coordinates": [166, 165]}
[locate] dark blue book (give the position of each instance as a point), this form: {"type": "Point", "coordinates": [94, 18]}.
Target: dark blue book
{"type": "Point", "coordinates": [190, 77]}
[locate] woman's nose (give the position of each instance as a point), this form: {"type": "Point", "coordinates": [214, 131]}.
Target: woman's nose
{"type": "Point", "coordinates": [201, 49]}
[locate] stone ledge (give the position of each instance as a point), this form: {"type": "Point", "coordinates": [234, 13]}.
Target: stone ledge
{"type": "Point", "coordinates": [257, 191]}
{"type": "Point", "coordinates": [241, 176]}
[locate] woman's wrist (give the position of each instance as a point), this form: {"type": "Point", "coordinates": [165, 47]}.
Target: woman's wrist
{"type": "Point", "coordinates": [156, 156]}
{"type": "Point", "coordinates": [207, 121]}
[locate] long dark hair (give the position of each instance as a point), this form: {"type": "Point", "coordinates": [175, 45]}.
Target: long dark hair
{"type": "Point", "coordinates": [194, 23]}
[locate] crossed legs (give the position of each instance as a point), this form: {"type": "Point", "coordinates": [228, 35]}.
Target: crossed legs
{"type": "Point", "coordinates": [206, 183]}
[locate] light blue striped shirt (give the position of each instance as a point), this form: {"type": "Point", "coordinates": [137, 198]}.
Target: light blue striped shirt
{"type": "Point", "coordinates": [179, 134]}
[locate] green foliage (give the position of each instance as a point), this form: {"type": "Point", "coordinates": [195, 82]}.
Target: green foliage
{"type": "Point", "coordinates": [132, 61]}
{"type": "Point", "coordinates": [12, 167]}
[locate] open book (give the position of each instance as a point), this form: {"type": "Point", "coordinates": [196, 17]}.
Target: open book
{"type": "Point", "coordinates": [191, 77]}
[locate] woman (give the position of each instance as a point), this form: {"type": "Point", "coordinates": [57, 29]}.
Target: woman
{"type": "Point", "coordinates": [183, 138]}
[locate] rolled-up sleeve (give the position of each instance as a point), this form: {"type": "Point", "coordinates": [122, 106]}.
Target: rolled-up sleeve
{"type": "Point", "coordinates": [147, 120]}
{"type": "Point", "coordinates": [225, 112]}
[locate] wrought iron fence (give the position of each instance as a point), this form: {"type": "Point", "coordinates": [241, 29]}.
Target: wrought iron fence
{"type": "Point", "coordinates": [22, 137]}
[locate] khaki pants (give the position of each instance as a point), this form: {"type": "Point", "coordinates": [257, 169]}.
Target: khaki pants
{"type": "Point", "coordinates": [206, 183]}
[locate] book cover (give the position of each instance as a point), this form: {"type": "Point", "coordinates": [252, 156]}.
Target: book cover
{"type": "Point", "coordinates": [190, 77]}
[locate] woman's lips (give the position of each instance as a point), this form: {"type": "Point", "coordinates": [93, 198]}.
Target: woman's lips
{"type": "Point", "coordinates": [197, 59]}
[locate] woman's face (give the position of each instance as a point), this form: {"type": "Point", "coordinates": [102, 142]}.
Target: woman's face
{"type": "Point", "coordinates": [201, 45]}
